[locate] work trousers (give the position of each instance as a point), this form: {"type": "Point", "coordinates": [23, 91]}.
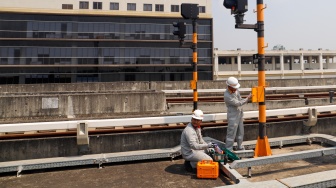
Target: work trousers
{"type": "Point", "coordinates": [235, 130]}
{"type": "Point", "coordinates": [198, 155]}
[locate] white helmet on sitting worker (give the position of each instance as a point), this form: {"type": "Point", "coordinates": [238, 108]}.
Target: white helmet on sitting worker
{"type": "Point", "coordinates": [233, 82]}
{"type": "Point", "coordinates": [198, 114]}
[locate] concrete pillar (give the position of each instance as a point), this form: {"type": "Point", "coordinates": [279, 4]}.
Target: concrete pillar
{"type": "Point", "coordinates": [282, 65]}
{"type": "Point", "coordinates": [239, 65]}
{"type": "Point", "coordinates": [309, 62]}
{"type": "Point", "coordinates": [321, 61]}
{"type": "Point", "coordinates": [302, 64]}
{"type": "Point", "coordinates": [233, 63]}
{"type": "Point", "coordinates": [327, 62]}
{"type": "Point", "coordinates": [215, 66]}
{"type": "Point", "coordinates": [273, 62]}
{"type": "Point", "coordinates": [291, 63]}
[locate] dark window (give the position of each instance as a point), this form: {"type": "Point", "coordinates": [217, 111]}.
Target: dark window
{"type": "Point", "coordinates": [83, 5]}
{"type": "Point", "coordinates": [175, 8]}
{"type": "Point", "coordinates": [114, 6]}
{"type": "Point", "coordinates": [131, 6]}
{"type": "Point", "coordinates": [97, 5]}
{"type": "Point", "coordinates": [147, 7]}
{"type": "Point", "coordinates": [159, 8]}
{"type": "Point", "coordinates": [201, 9]}
{"type": "Point", "coordinates": [67, 6]}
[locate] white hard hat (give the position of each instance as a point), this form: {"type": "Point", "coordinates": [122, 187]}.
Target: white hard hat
{"type": "Point", "coordinates": [198, 114]}
{"type": "Point", "coordinates": [233, 82]}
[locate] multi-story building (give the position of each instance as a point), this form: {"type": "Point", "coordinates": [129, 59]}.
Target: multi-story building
{"type": "Point", "coordinates": [67, 41]}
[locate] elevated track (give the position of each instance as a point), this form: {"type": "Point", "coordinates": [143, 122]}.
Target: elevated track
{"type": "Point", "coordinates": [268, 97]}
{"type": "Point", "coordinates": [61, 128]}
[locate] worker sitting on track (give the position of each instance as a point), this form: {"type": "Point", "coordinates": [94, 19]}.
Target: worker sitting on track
{"type": "Point", "coordinates": [192, 144]}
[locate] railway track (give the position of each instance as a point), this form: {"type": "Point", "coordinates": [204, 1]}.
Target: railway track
{"type": "Point", "coordinates": [140, 128]}
{"type": "Point", "coordinates": [268, 97]}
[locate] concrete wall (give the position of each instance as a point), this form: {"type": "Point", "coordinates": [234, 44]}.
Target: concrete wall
{"type": "Point", "coordinates": [134, 86]}
{"type": "Point", "coordinates": [56, 106]}
{"type": "Point", "coordinates": [95, 87]}
{"type": "Point", "coordinates": [66, 146]}
{"type": "Point", "coordinates": [98, 100]}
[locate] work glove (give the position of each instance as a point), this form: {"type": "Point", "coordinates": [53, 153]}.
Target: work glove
{"type": "Point", "coordinates": [214, 145]}
{"type": "Point", "coordinates": [249, 96]}
{"type": "Point", "coordinates": [210, 144]}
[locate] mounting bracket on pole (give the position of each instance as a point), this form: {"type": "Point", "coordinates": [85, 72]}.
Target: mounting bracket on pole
{"type": "Point", "coordinates": [258, 94]}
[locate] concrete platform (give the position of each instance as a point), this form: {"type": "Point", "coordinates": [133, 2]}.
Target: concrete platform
{"type": "Point", "coordinates": [144, 174]}
{"type": "Point", "coordinates": [165, 173]}
{"type": "Point", "coordinates": [171, 173]}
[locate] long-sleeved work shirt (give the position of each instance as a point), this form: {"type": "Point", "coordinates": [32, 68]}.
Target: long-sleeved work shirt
{"type": "Point", "coordinates": [234, 104]}
{"type": "Point", "coordinates": [191, 141]}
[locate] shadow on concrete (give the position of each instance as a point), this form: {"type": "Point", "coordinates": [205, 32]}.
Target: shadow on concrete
{"type": "Point", "coordinates": [179, 170]}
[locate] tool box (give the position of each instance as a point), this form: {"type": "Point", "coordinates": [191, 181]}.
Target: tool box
{"type": "Point", "coordinates": [207, 169]}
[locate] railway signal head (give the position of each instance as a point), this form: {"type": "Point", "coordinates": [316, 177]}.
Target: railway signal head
{"type": "Point", "coordinates": [181, 30]}
{"type": "Point", "coordinates": [189, 11]}
{"type": "Point", "coordinates": [255, 58]}
{"type": "Point", "coordinates": [236, 6]}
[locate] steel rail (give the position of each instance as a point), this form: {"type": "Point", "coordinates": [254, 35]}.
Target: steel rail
{"type": "Point", "coordinates": [71, 132]}
{"type": "Point", "coordinates": [267, 89]}
{"type": "Point", "coordinates": [167, 120]}
{"type": "Point", "coordinates": [268, 97]}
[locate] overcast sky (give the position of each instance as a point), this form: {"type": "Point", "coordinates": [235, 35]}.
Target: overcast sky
{"type": "Point", "coordinates": [294, 24]}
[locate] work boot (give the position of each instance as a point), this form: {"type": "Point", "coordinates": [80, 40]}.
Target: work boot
{"type": "Point", "coordinates": [188, 167]}
{"type": "Point", "coordinates": [241, 148]}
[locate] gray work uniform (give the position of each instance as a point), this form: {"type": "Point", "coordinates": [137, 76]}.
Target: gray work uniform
{"type": "Point", "coordinates": [235, 114]}
{"type": "Point", "coordinates": [193, 146]}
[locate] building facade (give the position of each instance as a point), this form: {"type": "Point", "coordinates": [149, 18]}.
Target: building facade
{"type": "Point", "coordinates": [279, 64]}
{"type": "Point", "coordinates": [68, 41]}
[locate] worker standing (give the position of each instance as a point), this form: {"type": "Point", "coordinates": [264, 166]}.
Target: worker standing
{"type": "Point", "coordinates": [192, 144]}
{"type": "Point", "coordinates": [234, 103]}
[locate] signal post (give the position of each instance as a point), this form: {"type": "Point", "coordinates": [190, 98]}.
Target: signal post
{"type": "Point", "coordinates": [239, 7]}
{"type": "Point", "coordinates": [190, 11]}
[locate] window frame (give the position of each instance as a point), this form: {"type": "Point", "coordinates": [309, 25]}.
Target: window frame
{"type": "Point", "coordinates": [130, 6]}
{"type": "Point", "coordinates": [158, 7]}
{"type": "Point", "coordinates": [174, 7]}
{"type": "Point", "coordinates": [114, 6]}
{"type": "Point", "coordinates": [97, 5]}
{"type": "Point", "coordinates": [147, 6]}
{"type": "Point", "coordinates": [67, 6]}
{"type": "Point", "coordinates": [84, 5]}
{"type": "Point", "coordinates": [201, 9]}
